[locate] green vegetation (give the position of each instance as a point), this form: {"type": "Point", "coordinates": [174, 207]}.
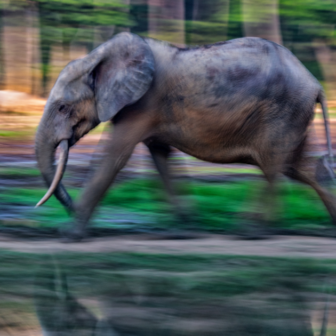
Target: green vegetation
{"type": "Point", "coordinates": [76, 19]}
{"type": "Point", "coordinates": [302, 23]}
{"type": "Point", "coordinates": [142, 202]}
{"type": "Point", "coordinates": [28, 133]}
{"type": "Point", "coordinates": [17, 172]}
{"type": "Point", "coordinates": [11, 134]}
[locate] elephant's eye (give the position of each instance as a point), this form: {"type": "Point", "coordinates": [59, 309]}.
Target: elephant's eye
{"type": "Point", "coordinates": [62, 107]}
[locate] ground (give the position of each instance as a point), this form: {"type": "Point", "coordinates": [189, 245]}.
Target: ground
{"type": "Point", "coordinates": [129, 269]}
{"type": "Point", "coordinates": [280, 246]}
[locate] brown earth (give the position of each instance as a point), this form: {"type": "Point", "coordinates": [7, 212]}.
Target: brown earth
{"type": "Point", "coordinates": [280, 246]}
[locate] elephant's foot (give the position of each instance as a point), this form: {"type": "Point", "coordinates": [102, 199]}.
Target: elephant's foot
{"type": "Point", "coordinates": [185, 227]}
{"type": "Point", "coordinates": [256, 225]}
{"type": "Point", "coordinates": [72, 234]}
{"type": "Point", "coordinates": [186, 220]}
{"type": "Point", "coordinates": [175, 234]}
{"type": "Point", "coordinates": [252, 230]}
{"type": "Point", "coordinates": [252, 216]}
{"type": "Point", "coordinates": [332, 210]}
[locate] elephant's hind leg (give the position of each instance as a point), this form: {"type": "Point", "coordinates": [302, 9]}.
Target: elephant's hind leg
{"type": "Point", "coordinates": [257, 223]}
{"type": "Point", "coordinates": [307, 176]}
{"type": "Point", "coordinates": [160, 153]}
{"type": "Point", "coordinates": [271, 164]}
{"type": "Point", "coordinates": [303, 169]}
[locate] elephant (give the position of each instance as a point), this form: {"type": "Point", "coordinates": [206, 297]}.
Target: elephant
{"type": "Point", "coordinates": [60, 313]}
{"type": "Point", "coordinates": [246, 100]}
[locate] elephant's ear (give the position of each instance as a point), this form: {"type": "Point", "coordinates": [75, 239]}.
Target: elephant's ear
{"type": "Point", "coordinates": [124, 74]}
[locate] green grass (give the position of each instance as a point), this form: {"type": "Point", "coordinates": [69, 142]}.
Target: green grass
{"type": "Point", "coordinates": [217, 206]}
{"type": "Point", "coordinates": [19, 172]}
{"type": "Point", "coordinates": [28, 133]}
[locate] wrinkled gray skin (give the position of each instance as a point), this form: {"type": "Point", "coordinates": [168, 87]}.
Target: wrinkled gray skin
{"type": "Point", "coordinates": [61, 314]}
{"type": "Point", "coordinates": [246, 100]}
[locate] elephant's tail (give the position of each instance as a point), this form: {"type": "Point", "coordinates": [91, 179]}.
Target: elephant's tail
{"type": "Point", "coordinates": [321, 99]}
{"type": "Point", "coordinates": [324, 169]}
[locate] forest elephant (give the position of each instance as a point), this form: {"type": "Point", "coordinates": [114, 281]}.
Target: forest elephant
{"type": "Point", "coordinates": [246, 100]}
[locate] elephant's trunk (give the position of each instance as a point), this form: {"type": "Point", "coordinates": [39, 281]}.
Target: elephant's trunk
{"type": "Point", "coordinates": [45, 153]}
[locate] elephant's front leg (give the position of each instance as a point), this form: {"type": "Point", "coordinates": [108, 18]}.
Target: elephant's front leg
{"type": "Point", "coordinates": [117, 151]}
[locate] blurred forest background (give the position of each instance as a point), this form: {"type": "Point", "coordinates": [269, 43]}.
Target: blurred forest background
{"type": "Point", "coordinates": [39, 37]}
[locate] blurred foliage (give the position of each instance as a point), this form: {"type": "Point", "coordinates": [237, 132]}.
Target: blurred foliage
{"type": "Point", "coordinates": [68, 19]}
{"type": "Point", "coordinates": [315, 18]}
{"type": "Point", "coordinates": [302, 23]}
{"type": "Point", "coordinates": [63, 21]}
{"type": "Point", "coordinates": [207, 21]}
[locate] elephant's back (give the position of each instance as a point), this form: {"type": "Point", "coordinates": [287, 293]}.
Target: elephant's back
{"type": "Point", "coordinates": [231, 95]}
{"type": "Point", "coordinates": [241, 72]}
{"type": "Point", "coordinates": [243, 59]}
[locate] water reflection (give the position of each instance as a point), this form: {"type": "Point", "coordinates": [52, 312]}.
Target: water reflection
{"type": "Point", "coordinates": [153, 301]}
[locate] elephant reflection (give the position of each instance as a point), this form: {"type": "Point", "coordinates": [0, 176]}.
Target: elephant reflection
{"type": "Point", "coordinates": [61, 314]}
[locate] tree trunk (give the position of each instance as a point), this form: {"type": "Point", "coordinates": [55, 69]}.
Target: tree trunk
{"type": "Point", "coordinates": [261, 19]}
{"type": "Point", "coordinates": [15, 43]}
{"type": "Point", "coordinates": [166, 20]}
{"type": "Point", "coordinates": [54, 61]}
{"type": "Point", "coordinates": [327, 60]}
{"type": "Point", "coordinates": [33, 49]}
{"type": "Point", "coordinates": [2, 62]}
{"type": "Point", "coordinates": [207, 21]}
{"type": "Point", "coordinates": [226, 10]}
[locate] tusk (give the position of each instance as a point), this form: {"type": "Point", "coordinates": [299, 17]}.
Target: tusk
{"type": "Point", "coordinates": [59, 172]}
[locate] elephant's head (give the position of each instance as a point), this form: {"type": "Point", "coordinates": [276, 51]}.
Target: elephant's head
{"type": "Point", "coordinates": [89, 91]}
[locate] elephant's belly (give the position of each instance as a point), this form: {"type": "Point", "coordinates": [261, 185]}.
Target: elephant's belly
{"type": "Point", "coordinates": [218, 154]}
{"type": "Point", "coordinates": [211, 142]}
